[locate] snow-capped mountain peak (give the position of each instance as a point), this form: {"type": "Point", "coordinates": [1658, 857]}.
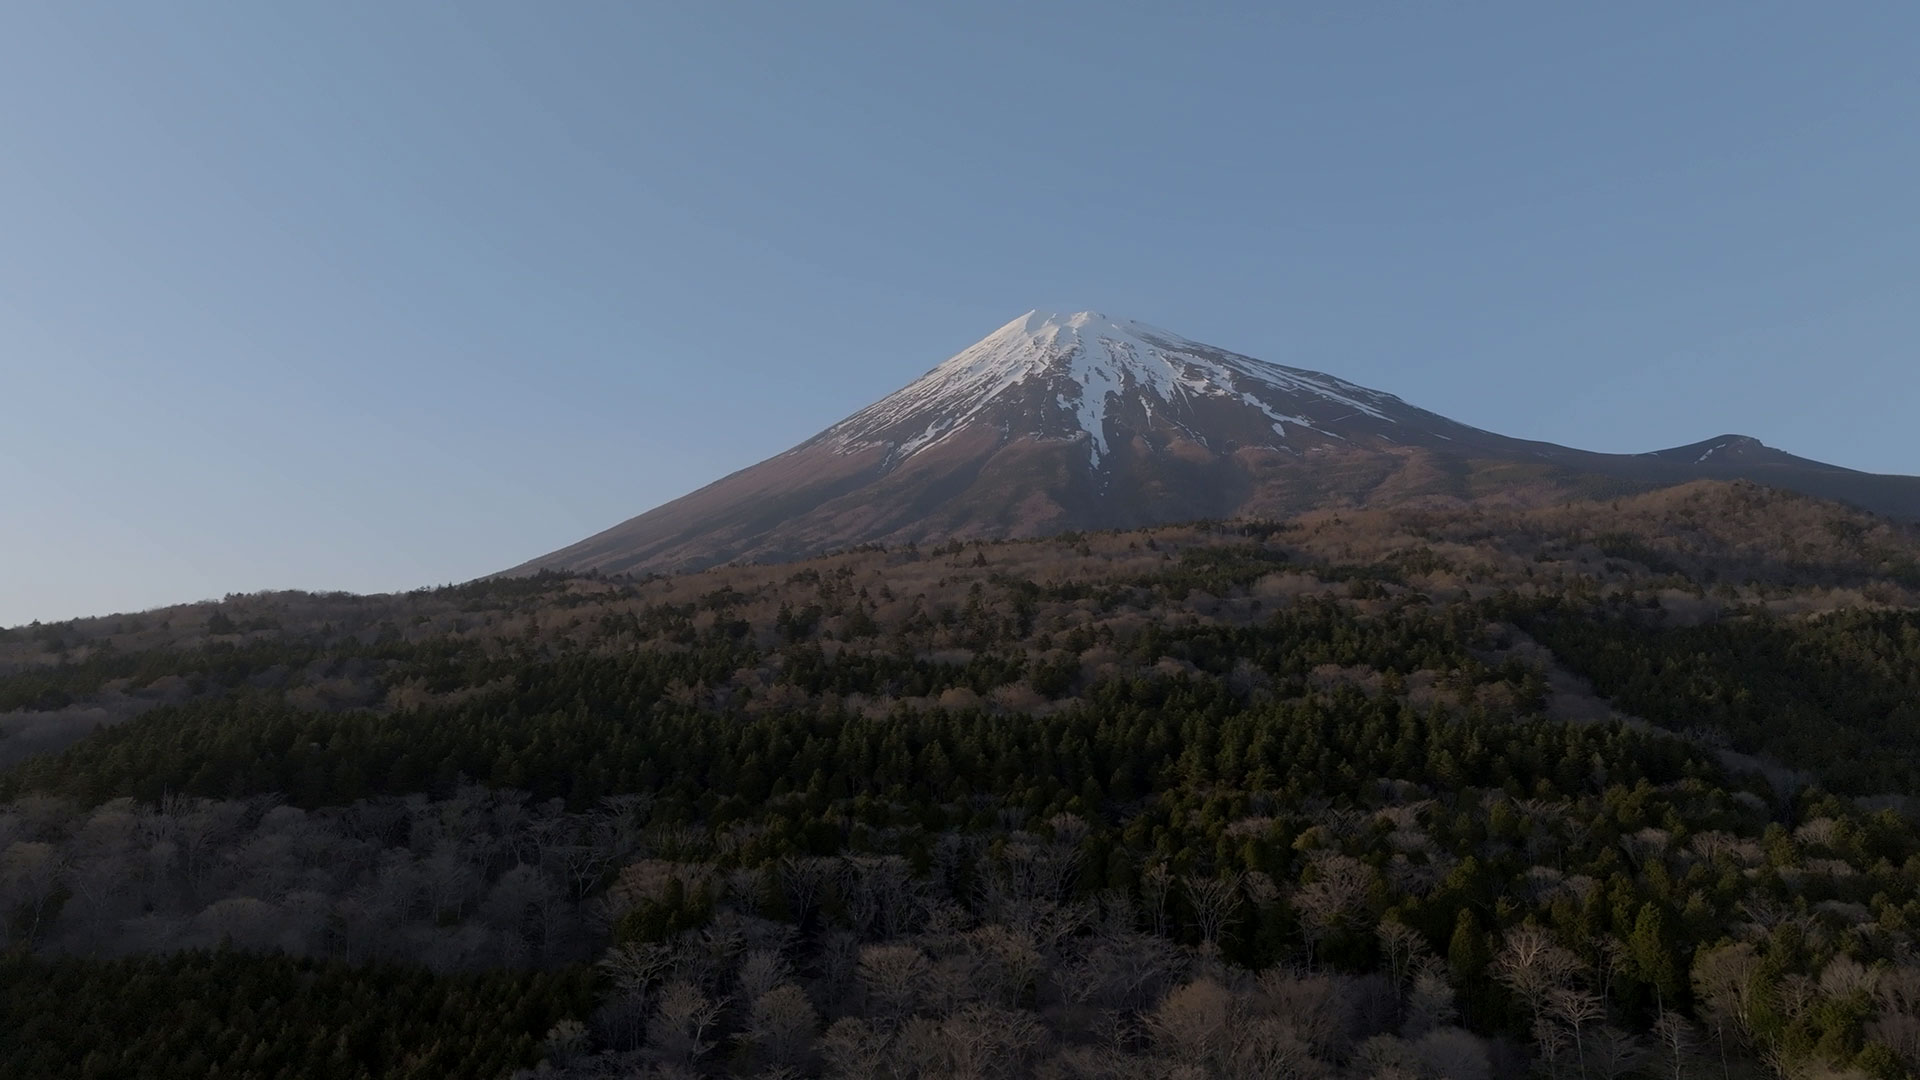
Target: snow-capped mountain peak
{"type": "Point", "coordinates": [1088, 375]}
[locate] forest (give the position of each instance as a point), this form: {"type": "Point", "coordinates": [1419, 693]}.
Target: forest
{"type": "Point", "coordinates": [1615, 789]}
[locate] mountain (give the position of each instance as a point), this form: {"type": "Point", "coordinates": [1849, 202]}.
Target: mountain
{"type": "Point", "coordinates": [1059, 422]}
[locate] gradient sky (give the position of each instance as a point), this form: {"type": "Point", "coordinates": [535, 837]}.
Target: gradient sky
{"type": "Point", "coordinates": [371, 295]}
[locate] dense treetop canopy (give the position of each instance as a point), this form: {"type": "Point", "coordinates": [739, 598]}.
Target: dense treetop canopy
{"type": "Point", "coordinates": [1450, 792]}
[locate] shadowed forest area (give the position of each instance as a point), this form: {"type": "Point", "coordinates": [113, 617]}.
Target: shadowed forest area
{"type": "Point", "coordinates": [1604, 790]}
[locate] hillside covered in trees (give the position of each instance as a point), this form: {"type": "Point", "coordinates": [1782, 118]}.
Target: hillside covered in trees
{"type": "Point", "coordinates": [1601, 790]}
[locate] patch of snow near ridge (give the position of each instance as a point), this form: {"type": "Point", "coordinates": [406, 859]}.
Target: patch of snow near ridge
{"type": "Point", "coordinates": [1090, 358]}
{"type": "Point", "coordinates": [1282, 419]}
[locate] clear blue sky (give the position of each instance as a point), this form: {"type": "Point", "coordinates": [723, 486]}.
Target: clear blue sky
{"type": "Point", "coordinates": [370, 295]}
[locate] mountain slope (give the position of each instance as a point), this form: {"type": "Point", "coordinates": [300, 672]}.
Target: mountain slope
{"type": "Point", "coordinates": [1081, 421]}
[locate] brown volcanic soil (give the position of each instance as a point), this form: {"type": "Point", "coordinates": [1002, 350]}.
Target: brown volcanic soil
{"type": "Point", "coordinates": [817, 499]}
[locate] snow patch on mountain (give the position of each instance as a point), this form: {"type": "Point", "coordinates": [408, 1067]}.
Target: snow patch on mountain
{"type": "Point", "coordinates": [1280, 420]}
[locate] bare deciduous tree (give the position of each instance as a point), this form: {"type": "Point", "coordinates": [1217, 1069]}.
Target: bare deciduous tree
{"type": "Point", "coordinates": [1402, 946]}
{"type": "Point", "coordinates": [1121, 970]}
{"type": "Point", "coordinates": [891, 976]}
{"type": "Point", "coordinates": [1676, 1040]}
{"type": "Point", "coordinates": [760, 971]}
{"type": "Point", "coordinates": [1533, 966]}
{"type": "Point", "coordinates": [30, 873]}
{"type": "Point", "coordinates": [96, 876]}
{"type": "Point", "coordinates": [1214, 900]}
{"type": "Point", "coordinates": [449, 882]}
{"type": "Point", "coordinates": [1430, 1001]}
{"type": "Point", "coordinates": [1723, 982]}
{"type": "Point", "coordinates": [241, 922]}
{"type": "Point", "coordinates": [1613, 1053]}
{"type": "Point", "coordinates": [1578, 1009]}
{"type": "Point", "coordinates": [1273, 1049]}
{"type": "Point", "coordinates": [1843, 977]}
{"type": "Point", "coordinates": [1316, 1005]}
{"type": "Point", "coordinates": [781, 1026]}
{"type": "Point", "coordinates": [682, 1025]}
{"type": "Point", "coordinates": [1335, 894]}
{"type": "Point", "coordinates": [636, 968]}
{"type": "Point", "coordinates": [566, 1042]}
{"type": "Point", "coordinates": [525, 906]}
{"type": "Point", "coordinates": [1191, 1021]}
{"type": "Point", "coordinates": [876, 891]}
{"type": "Point", "coordinates": [985, 1042]}
{"type": "Point", "coordinates": [1550, 1042]}
{"type": "Point", "coordinates": [1451, 1053]}
{"type": "Point", "coordinates": [854, 1050]}
{"type": "Point", "coordinates": [1897, 992]}
{"type": "Point", "coordinates": [1006, 963]}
